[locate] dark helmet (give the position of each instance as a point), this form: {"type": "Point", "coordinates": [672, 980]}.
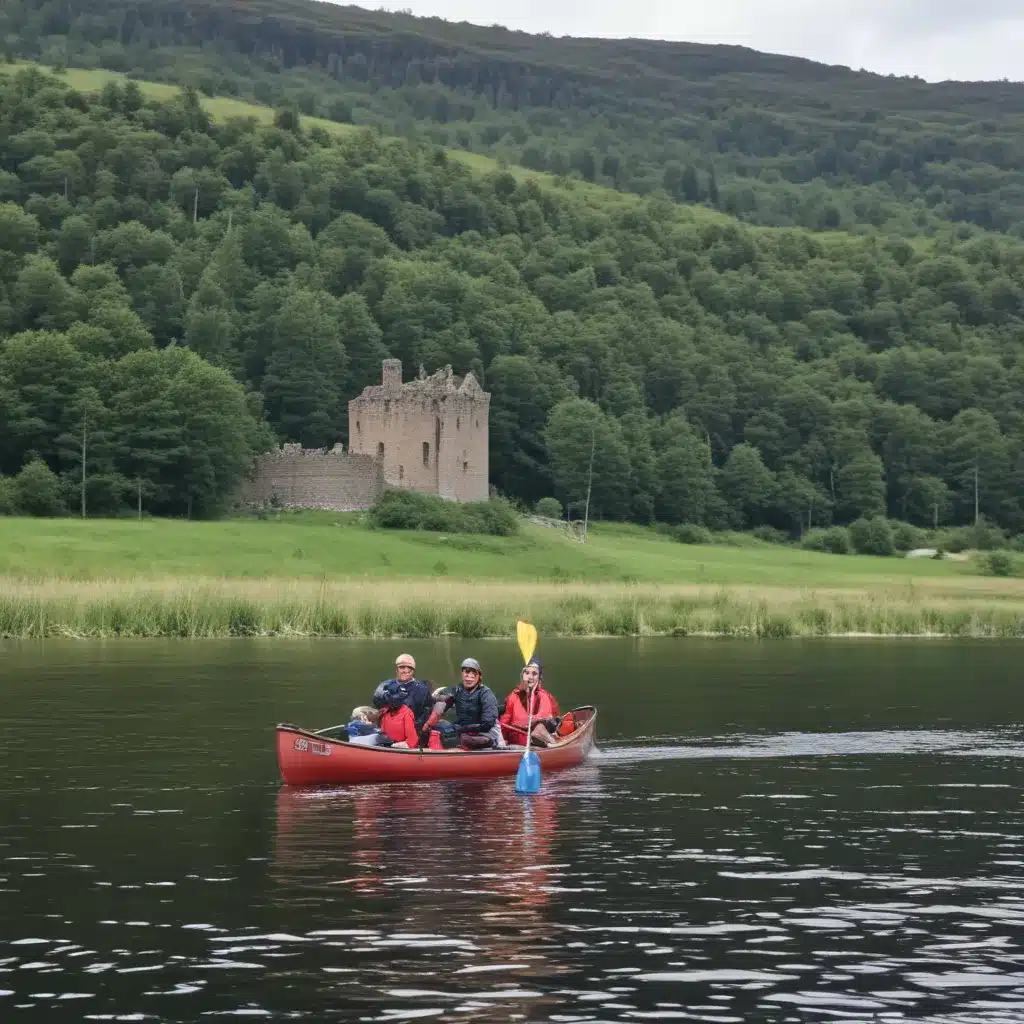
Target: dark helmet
{"type": "Point", "coordinates": [397, 694]}
{"type": "Point", "coordinates": [536, 661]}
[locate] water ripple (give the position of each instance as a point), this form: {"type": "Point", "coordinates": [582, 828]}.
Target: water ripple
{"type": "Point", "coordinates": [730, 875]}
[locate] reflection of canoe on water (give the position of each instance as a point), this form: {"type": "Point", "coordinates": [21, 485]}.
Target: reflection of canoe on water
{"type": "Point", "coordinates": [310, 758]}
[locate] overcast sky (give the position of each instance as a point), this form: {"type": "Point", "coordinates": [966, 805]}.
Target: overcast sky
{"type": "Point", "coordinates": [936, 39]}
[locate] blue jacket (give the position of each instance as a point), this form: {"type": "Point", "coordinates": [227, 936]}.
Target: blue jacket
{"type": "Point", "coordinates": [419, 701]}
{"type": "Point", "coordinates": [476, 710]}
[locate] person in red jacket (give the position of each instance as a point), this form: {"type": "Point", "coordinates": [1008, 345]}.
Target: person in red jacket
{"type": "Point", "coordinates": [515, 718]}
{"type": "Point", "coordinates": [396, 720]}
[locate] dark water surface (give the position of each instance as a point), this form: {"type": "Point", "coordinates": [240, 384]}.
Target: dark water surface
{"type": "Point", "coordinates": [778, 831]}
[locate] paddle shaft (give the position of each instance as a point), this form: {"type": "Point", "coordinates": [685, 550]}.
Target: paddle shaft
{"type": "Point", "coordinates": [529, 721]}
{"type": "Point", "coordinates": [526, 634]}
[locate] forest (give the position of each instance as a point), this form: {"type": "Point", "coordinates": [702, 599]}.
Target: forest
{"type": "Point", "coordinates": [772, 140]}
{"type": "Point", "coordinates": [176, 294]}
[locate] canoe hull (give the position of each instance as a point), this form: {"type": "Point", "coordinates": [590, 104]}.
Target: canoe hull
{"type": "Point", "coordinates": [308, 759]}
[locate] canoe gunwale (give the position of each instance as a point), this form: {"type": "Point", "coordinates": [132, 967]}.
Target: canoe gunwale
{"type": "Point", "coordinates": [571, 740]}
{"type": "Point", "coordinates": [312, 763]}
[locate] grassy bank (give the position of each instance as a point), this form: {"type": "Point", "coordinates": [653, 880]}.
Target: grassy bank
{"type": "Point", "coordinates": [327, 575]}
{"type": "Point", "coordinates": [209, 608]}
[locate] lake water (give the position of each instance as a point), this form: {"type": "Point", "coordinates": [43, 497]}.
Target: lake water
{"type": "Point", "coordinates": [773, 832]}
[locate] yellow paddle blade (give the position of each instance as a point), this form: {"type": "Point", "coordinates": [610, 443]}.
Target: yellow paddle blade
{"type": "Point", "coordinates": [526, 634]}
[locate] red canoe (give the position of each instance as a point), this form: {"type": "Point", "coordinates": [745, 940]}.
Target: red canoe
{"type": "Point", "coordinates": [312, 759]}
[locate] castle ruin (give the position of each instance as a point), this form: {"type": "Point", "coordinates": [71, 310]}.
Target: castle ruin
{"type": "Point", "coordinates": [428, 435]}
{"type": "Point", "coordinates": [431, 433]}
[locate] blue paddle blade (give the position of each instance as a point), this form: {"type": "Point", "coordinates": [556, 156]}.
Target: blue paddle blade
{"type": "Point", "coordinates": [528, 776]}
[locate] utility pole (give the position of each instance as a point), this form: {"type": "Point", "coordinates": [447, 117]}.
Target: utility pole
{"type": "Point", "coordinates": [976, 507]}
{"type": "Point", "coordinates": [138, 484]}
{"type": "Point", "coordinates": [590, 481]}
{"type": "Point", "coordinates": [195, 206]}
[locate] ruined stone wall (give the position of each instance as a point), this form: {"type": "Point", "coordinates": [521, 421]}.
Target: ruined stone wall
{"type": "Point", "coordinates": [320, 478]}
{"type": "Point", "coordinates": [395, 428]}
{"type": "Point", "coordinates": [463, 471]}
{"type": "Point", "coordinates": [431, 433]}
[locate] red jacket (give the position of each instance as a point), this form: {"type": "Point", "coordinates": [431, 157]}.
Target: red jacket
{"type": "Point", "coordinates": [398, 724]}
{"type": "Point", "coordinates": [516, 713]}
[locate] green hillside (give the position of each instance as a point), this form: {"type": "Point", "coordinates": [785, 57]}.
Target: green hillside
{"type": "Point", "coordinates": [226, 108]}
{"type": "Point", "coordinates": [178, 289]}
{"type": "Point", "coordinates": [773, 140]}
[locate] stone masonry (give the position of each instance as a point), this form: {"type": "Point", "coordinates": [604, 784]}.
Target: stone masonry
{"type": "Point", "coordinates": [323, 478]}
{"type": "Point", "coordinates": [429, 435]}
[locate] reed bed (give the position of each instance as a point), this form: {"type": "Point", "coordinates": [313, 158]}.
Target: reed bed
{"type": "Point", "coordinates": [393, 609]}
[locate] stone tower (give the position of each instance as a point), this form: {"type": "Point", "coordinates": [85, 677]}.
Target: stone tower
{"type": "Point", "coordinates": [431, 433]}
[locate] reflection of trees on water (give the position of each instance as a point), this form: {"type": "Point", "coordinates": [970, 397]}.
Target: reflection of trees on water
{"type": "Point", "coordinates": [454, 876]}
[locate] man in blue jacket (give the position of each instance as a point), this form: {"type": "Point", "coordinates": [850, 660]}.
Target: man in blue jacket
{"type": "Point", "coordinates": [476, 709]}
{"type": "Point", "coordinates": [419, 701]}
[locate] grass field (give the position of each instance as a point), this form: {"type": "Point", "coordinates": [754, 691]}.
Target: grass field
{"type": "Point", "coordinates": [314, 546]}
{"type": "Point", "coordinates": [326, 574]}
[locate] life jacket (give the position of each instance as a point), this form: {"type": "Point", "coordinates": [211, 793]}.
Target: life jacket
{"type": "Point", "coordinates": [419, 701]}
{"type": "Point", "coordinates": [477, 707]}
{"type": "Point", "coordinates": [359, 728]}
{"type": "Point", "coordinates": [399, 725]}
{"type": "Point", "coordinates": [517, 713]}
{"type": "Point", "coordinates": [443, 737]}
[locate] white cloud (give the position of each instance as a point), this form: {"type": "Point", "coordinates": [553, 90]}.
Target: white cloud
{"type": "Point", "coordinates": [936, 39]}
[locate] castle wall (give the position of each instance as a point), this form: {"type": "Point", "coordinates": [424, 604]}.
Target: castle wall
{"type": "Point", "coordinates": [426, 435]}
{"type": "Point", "coordinates": [431, 433]}
{"type": "Point", "coordinates": [463, 471]}
{"type": "Point", "coordinates": [402, 424]}
{"type": "Point", "coordinates": [319, 478]}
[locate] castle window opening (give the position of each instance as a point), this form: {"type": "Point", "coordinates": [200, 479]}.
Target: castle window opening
{"type": "Point", "coordinates": [478, 423]}
{"type": "Point", "coordinates": [426, 453]}
{"type": "Point", "coordinates": [465, 467]}
{"type": "Point", "coordinates": [401, 472]}
{"type": "Point", "coordinates": [359, 427]}
{"type": "Point", "coordinates": [380, 449]}
{"type": "Point", "coordinates": [458, 423]}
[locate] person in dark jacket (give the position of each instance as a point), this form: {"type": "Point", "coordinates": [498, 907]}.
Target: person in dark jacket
{"type": "Point", "coordinates": [419, 700]}
{"type": "Point", "coordinates": [476, 709]}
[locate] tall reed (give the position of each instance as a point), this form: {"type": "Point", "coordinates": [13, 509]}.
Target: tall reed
{"type": "Point", "coordinates": [226, 608]}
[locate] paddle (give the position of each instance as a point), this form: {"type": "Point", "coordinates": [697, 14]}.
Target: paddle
{"type": "Point", "coordinates": [528, 776]}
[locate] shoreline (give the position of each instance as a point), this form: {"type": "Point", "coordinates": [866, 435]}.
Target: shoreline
{"type": "Point", "coordinates": [916, 637]}
{"type": "Point", "coordinates": [420, 609]}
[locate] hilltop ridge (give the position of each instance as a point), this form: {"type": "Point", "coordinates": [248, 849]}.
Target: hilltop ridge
{"type": "Point", "coordinates": [771, 139]}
